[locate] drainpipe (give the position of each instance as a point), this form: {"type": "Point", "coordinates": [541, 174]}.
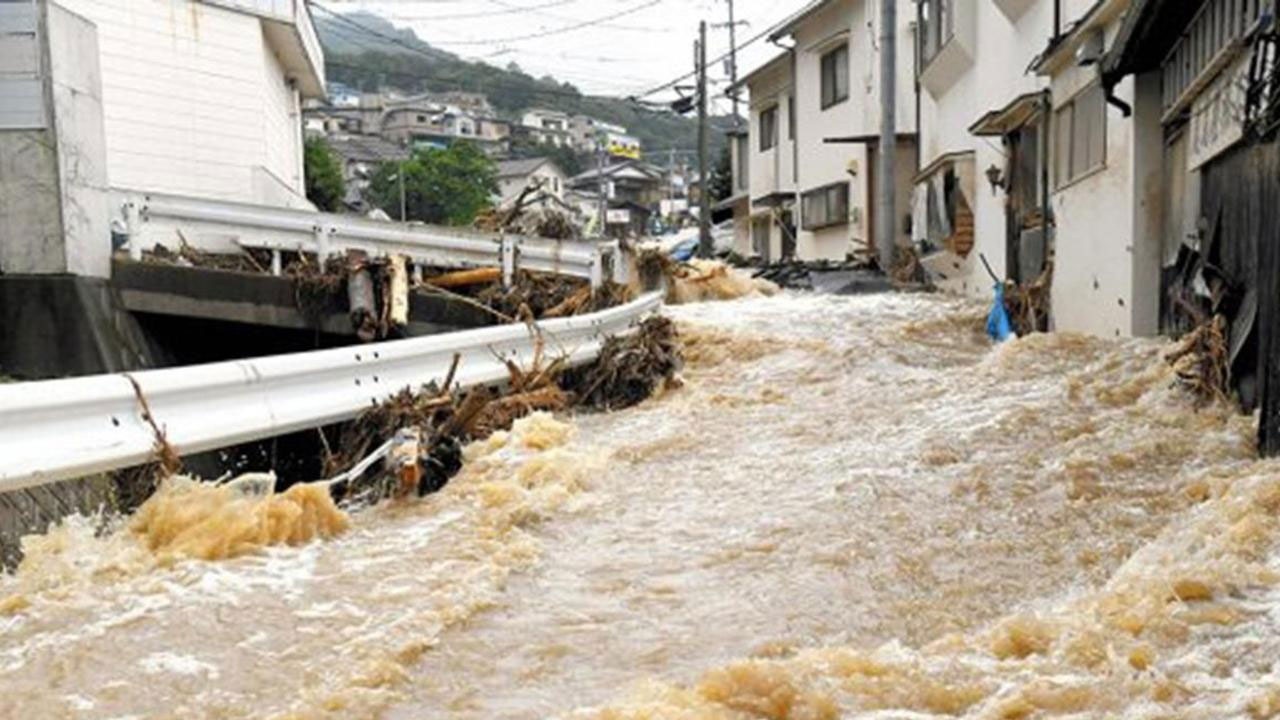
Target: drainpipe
{"type": "Point", "coordinates": [1057, 20]}
{"type": "Point", "coordinates": [916, 55]}
{"type": "Point", "coordinates": [795, 144]}
{"type": "Point", "coordinates": [1046, 107]}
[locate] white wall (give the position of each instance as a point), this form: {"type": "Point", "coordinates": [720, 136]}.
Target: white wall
{"type": "Point", "coordinates": [553, 182]}
{"type": "Point", "coordinates": [1003, 48]}
{"type": "Point", "coordinates": [195, 102]}
{"type": "Point", "coordinates": [1093, 284]}
{"type": "Point", "coordinates": [821, 163]}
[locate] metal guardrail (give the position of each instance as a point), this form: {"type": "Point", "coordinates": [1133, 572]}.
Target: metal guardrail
{"type": "Point", "coordinates": [220, 226]}
{"type": "Point", "coordinates": [62, 429]}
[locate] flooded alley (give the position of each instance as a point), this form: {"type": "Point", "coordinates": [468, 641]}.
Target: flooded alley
{"type": "Point", "coordinates": [853, 507]}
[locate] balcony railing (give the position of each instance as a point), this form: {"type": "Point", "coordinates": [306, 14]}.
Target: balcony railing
{"type": "Point", "coordinates": [1206, 47]}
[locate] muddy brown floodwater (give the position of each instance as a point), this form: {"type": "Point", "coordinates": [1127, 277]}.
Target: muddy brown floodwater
{"type": "Point", "coordinates": [855, 507]}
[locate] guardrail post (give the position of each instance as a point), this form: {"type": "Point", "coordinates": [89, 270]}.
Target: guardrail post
{"type": "Point", "coordinates": [322, 244]}
{"type": "Point", "coordinates": [617, 263]}
{"type": "Point", "coordinates": [597, 267]}
{"type": "Point", "coordinates": [508, 253]}
{"type": "Point", "coordinates": [131, 227]}
{"type": "Point", "coordinates": [276, 268]}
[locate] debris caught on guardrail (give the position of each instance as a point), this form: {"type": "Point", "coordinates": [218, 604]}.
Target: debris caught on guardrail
{"type": "Point", "coordinates": [629, 369]}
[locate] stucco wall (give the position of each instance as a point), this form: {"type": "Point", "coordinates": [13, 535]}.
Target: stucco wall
{"type": "Point", "coordinates": [1093, 284]}
{"type": "Point", "coordinates": [1003, 49]}
{"type": "Point", "coordinates": [194, 101]}
{"type": "Point", "coordinates": [822, 163]}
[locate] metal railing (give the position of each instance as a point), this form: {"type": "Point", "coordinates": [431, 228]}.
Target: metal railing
{"type": "Point", "coordinates": [220, 226]}
{"type": "Point", "coordinates": [62, 429]}
{"type": "Point", "coordinates": [1206, 47]}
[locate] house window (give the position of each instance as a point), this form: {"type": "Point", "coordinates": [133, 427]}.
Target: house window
{"type": "Point", "coordinates": [835, 76]}
{"type": "Point", "coordinates": [768, 128]}
{"type": "Point", "coordinates": [743, 162]}
{"type": "Point", "coordinates": [937, 26]}
{"type": "Point", "coordinates": [1080, 136]}
{"type": "Point", "coordinates": [791, 117]}
{"type": "Point", "coordinates": [825, 206]}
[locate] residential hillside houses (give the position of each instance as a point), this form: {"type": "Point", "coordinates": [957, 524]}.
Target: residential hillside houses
{"type": "Point", "coordinates": [354, 121]}
{"type": "Point", "coordinates": [1096, 152]}
{"type": "Point", "coordinates": [361, 156]}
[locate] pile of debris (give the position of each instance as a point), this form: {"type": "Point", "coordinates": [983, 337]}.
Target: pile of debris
{"type": "Point", "coordinates": [421, 434]}
{"type": "Point", "coordinates": [841, 277]}
{"type": "Point", "coordinates": [532, 214]}
{"type": "Point", "coordinates": [247, 260]}
{"type": "Point", "coordinates": [1028, 304]}
{"type": "Point", "coordinates": [698, 280]}
{"type": "Point", "coordinates": [1201, 360]}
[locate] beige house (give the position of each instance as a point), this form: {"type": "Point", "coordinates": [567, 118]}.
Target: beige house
{"type": "Point", "coordinates": [813, 137]}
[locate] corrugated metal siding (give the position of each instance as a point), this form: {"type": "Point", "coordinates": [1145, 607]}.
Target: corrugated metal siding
{"type": "Point", "coordinates": [21, 95]}
{"type": "Point", "coordinates": [184, 96]}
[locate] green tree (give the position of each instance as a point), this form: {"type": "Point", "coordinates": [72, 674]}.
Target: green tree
{"type": "Point", "coordinates": [442, 187]}
{"type": "Point", "coordinates": [325, 185]}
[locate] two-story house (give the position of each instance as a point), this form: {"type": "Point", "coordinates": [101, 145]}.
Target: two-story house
{"type": "Point", "coordinates": [1027, 156]}
{"type": "Point", "coordinates": [550, 127]}
{"type": "Point", "coordinates": [813, 134]}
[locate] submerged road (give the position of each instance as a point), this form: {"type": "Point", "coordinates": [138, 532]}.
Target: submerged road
{"type": "Point", "coordinates": [853, 507]}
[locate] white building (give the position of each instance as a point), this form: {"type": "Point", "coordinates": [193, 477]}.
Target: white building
{"type": "Point", "coordinates": [814, 133]}
{"type": "Point", "coordinates": [192, 97]}
{"type": "Point", "coordinates": [543, 174]}
{"type": "Point", "coordinates": [1028, 163]}
{"type": "Point", "coordinates": [203, 97]}
{"type": "Point", "coordinates": [549, 127]}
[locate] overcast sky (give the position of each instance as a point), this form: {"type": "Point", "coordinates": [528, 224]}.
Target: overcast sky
{"type": "Point", "coordinates": [650, 43]}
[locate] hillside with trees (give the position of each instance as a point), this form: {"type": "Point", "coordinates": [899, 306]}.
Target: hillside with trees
{"type": "Point", "coordinates": [384, 56]}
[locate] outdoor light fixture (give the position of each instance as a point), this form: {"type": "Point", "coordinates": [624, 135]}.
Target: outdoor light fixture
{"type": "Point", "coordinates": [995, 176]}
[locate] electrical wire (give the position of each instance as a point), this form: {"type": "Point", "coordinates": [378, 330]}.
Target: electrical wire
{"type": "Point", "coordinates": [556, 31]}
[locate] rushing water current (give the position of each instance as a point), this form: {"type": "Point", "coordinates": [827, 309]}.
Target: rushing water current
{"type": "Point", "coordinates": [854, 507]}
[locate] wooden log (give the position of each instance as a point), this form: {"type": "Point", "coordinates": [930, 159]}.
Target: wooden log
{"type": "Point", "coordinates": [463, 278]}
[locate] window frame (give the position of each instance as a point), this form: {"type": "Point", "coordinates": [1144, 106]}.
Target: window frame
{"type": "Point", "coordinates": [937, 29]}
{"type": "Point", "coordinates": [829, 219]}
{"type": "Point", "coordinates": [829, 100]}
{"type": "Point", "coordinates": [1069, 112]}
{"type": "Point", "coordinates": [769, 131]}
{"type": "Point", "coordinates": [791, 117]}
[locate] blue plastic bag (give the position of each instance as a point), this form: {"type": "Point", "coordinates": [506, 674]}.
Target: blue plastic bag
{"type": "Point", "coordinates": [998, 325]}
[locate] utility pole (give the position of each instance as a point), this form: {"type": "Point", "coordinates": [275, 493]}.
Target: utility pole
{"type": "Point", "coordinates": [886, 215]}
{"type": "Point", "coordinates": [733, 64]}
{"type": "Point", "coordinates": [704, 198]}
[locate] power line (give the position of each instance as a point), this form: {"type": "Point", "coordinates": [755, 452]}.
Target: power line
{"type": "Point", "coordinates": [672, 83]}
{"type": "Point", "coordinates": [562, 18]}
{"type": "Point", "coordinates": [509, 10]}
{"type": "Point", "coordinates": [556, 31]}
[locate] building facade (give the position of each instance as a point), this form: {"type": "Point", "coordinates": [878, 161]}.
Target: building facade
{"type": "Point", "coordinates": [813, 138]}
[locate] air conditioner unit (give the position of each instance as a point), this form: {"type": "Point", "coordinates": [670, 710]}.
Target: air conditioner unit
{"type": "Point", "coordinates": [1090, 51]}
